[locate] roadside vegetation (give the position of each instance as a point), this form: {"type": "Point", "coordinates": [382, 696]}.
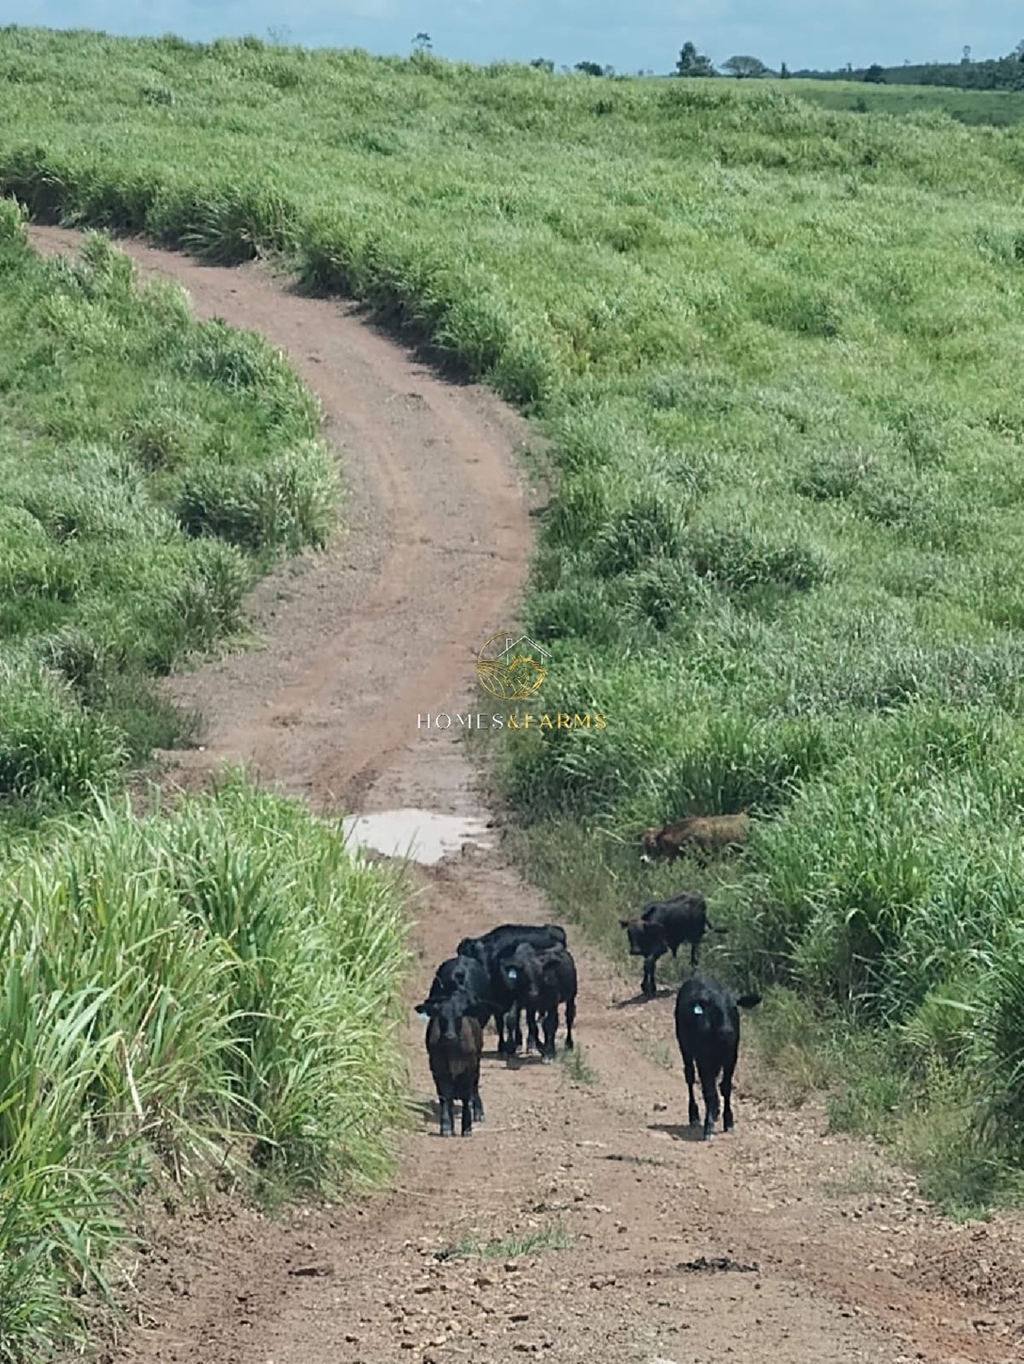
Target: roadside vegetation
{"type": "Point", "coordinates": [193, 997]}
{"type": "Point", "coordinates": [777, 348]}
{"type": "Point", "coordinates": [198, 997]}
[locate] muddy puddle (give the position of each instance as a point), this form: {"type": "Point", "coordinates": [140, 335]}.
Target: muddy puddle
{"type": "Point", "coordinates": [420, 835]}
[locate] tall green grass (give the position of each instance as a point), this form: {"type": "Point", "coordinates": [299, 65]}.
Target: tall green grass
{"type": "Point", "coordinates": [777, 348]}
{"type": "Point", "coordinates": [217, 987]}
{"type": "Point", "coordinates": [151, 466]}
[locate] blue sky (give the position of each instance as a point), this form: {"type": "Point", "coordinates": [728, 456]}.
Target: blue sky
{"type": "Point", "coordinates": [645, 34]}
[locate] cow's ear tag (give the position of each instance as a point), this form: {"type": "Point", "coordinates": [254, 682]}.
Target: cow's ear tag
{"type": "Point", "coordinates": [513, 974]}
{"type": "Point", "coordinates": [422, 1013]}
{"type": "Point", "coordinates": [698, 1008]}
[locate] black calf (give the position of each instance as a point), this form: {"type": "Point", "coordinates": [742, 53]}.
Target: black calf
{"type": "Point", "coordinates": [708, 1033]}
{"type": "Point", "coordinates": [663, 926]}
{"type": "Point", "coordinates": [539, 982]}
{"type": "Point", "coordinates": [454, 1041]}
{"type": "Point", "coordinates": [467, 976]}
{"type": "Point", "coordinates": [490, 950]}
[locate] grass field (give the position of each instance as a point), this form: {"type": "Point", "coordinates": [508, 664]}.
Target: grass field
{"type": "Point", "coordinates": [191, 996]}
{"type": "Point", "coordinates": [999, 108]}
{"type": "Point", "coordinates": [778, 348]}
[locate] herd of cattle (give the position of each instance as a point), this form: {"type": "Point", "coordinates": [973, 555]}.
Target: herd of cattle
{"type": "Point", "coordinates": [523, 968]}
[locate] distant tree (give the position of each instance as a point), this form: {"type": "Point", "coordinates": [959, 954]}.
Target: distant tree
{"type": "Point", "coordinates": [875, 74]}
{"type": "Point", "coordinates": [966, 58]}
{"type": "Point", "coordinates": [422, 42]}
{"type": "Point", "coordinates": [745, 68]}
{"type": "Point", "coordinates": [693, 63]}
{"type": "Point", "coordinates": [592, 68]}
{"type": "Point", "coordinates": [784, 72]}
{"type": "Point", "coordinates": [542, 64]}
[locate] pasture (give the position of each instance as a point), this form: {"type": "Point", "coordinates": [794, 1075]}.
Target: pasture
{"type": "Point", "coordinates": [777, 347]}
{"type": "Point", "coordinates": [997, 108]}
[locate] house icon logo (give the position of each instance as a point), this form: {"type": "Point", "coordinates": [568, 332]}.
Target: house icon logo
{"type": "Point", "coordinates": [511, 668]}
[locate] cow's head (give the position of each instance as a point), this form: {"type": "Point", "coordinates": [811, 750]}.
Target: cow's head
{"type": "Point", "coordinates": [644, 937]}
{"type": "Point", "coordinates": [447, 1013]}
{"type": "Point", "coordinates": [650, 844]}
{"type": "Point", "coordinates": [521, 971]}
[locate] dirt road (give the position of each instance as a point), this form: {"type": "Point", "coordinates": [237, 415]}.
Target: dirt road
{"type": "Point", "coordinates": [582, 1222]}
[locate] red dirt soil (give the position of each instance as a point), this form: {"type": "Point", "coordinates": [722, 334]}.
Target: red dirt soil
{"type": "Point", "coordinates": [778, 1242]}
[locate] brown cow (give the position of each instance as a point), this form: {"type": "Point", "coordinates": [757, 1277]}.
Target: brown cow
{"type": "Point", "coordinates": [701, 834]}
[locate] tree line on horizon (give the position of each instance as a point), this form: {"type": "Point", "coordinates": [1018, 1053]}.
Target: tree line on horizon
{"type": "Point", "coordinates": [994, 73]}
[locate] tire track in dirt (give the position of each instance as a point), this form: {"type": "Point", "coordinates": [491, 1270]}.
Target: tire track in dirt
{"type": "Point", "coordinates": [832, 1255]}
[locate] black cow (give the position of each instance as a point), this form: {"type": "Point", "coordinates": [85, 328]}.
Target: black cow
{"type": "Point", "coordinates": [454, 1041]}
{"type": "Point", "coordinates": [489, 950]}
{"type": "Point", "coordinates": [470, 977]}
{"type": "Point", "coordinates": [546, 935]}
{"type": "Point", "coordinates": [539, 981]}
{"type": "Point", "coordinates": [708, 1033]}
{"type": "Point", "coordinates": [663, 926]}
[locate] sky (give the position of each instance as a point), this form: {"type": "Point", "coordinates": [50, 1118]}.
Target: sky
{"type": "Point", "coordinates": [643, 35]}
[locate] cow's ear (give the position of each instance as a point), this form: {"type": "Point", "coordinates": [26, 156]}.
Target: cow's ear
{"type": "Point", "coordinates": [427, 1010]}
{"type": "Point", "coordinates": [623, 923]}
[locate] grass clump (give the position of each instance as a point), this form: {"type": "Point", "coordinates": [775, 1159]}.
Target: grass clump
{"type": "Point", "coordinates": [512, 1247]}
{"type": "Point", "coordinates": [577, 1067]}
{"type": "Point", "coordinates": [215, 986]}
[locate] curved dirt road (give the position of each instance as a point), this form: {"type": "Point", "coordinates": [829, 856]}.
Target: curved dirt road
{"type": "Point", "coordinates": [613, 1236]}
